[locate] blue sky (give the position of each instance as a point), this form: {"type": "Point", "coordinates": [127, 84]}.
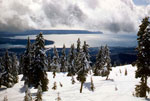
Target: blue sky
{"type": "Point", "coordinates": [141, 2]}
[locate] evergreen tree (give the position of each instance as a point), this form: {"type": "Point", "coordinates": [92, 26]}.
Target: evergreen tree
{"type": "Point", "coordinates": [54, 86]}
{"type": "Point", "coordinates": [99, 62]}
{"type": "Point", "coordinates": [78, 45]}
{"type": "Point", "coordinates": [71, 61]}
{"type": "Point", "coordinates": [86, 51]}
{"type": "Point", "coordinates": [58, 98]}
{"type": "Point", "coordinates": [143, 55]}
{"type": "Point", "coordinates": [63, 67]}
{"type": "Point", "coordinates": [21, 64]}
{"type": "Point", "coordinates": [83, 69]}
{"type": "Point", "coordinates": [27, 64]}
{"type": "Point", "coordinates": [55, 62]}
{"type": "Point", "coordinates": [39, 64]}
{"type": "Point", "coordinates": [7, 77]}
{"type": "Point", "coordinates": [28, 96]}
{"type": "Point", "coordinates": [49, 62]}
{"type": "Point", "coordinates": [2, 71]}
{"type": "Point", "coordinates": [39, 94]}
{"type": "Point", "coordinates": [107, 65]}
{"type": "Point", "coordinates": [14, 68]}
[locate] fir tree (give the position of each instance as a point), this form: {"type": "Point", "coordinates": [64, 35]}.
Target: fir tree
{"type": "Point", "coordinates": [143, 55]}
{"type": "Point", "coordinates": [7, 77]}
{"type": "Point", "coordinates": [99, 62]}
{"type": "Point", "coordinates": [107, 64]}
{"type": "Point", "coordinates": [49, 62]}
{"type": "Point", "coordinates": [63, 67]}
{"type": "Point", "coordinates": [27, 64]}
{"type": "Point", "coordinates": [2, 71]}
{"type": "Point", "coordinates": [21, 64]}
{"type": "Point", "coordinates": [39, 64]}
{"type": "Point", "coordinates": [14, 68]}
{"type": "Point", "coordinates": [55, 61]}
{"type": "Point", "coordinates": [71, 61]}
{"type": "Point", "coordinates": [83, 69]}
{"type": "Point", "coordinates": [39, 94]}
{"type": "Point", "coordinates": [78, 45]}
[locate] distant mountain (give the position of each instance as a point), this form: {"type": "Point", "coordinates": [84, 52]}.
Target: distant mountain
{"type": "Point", "coordinates": [34, 32]}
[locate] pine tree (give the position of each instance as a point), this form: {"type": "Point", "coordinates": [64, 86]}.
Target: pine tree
{"type": "Point", "coordinates": [143, 55]}
{"type": "Point", "coordinates": [55, 61]}
{"type": "Point", "coordinates": [39, 64]}
{"type": "Point", "coordinates": [86, 51]}
{"type": "Point", "coordinates": [39, 94]}
{"type": "Point", "coordinates": [78, 45]}
{"type": "Point", "coordinates": [28, 96]}
{"type": "Point", "coordinates": [63, 67]}
{"type": "Point", "coordinates": [7, 77]}
{"type": "Point", "coordinates": [2, 71]}
{"type": "Point", "coordinates": [107, 66]}
{"type": "Point", "coordinates": [99, 62]}
{"type": "Point", "coordinates": [21, 64]}
{"type": "Point", "coordinates": [71, 61]}
{"type": "Point", "coordinates": [14, 68]}
{"type": "Point", "coordinates": [27, 76]}
{"type": "Point", "coordinates": [49, 62]}
{"type": "Point", "coordinates": [83, 69]}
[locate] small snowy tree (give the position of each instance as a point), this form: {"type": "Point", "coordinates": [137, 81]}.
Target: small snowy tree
{"type": "Point", "coordinates": [5, 98]}
{"type": "Point", "coordinates": [58, 97]}
{"type": "Point", "coordinates": [54, 86]}
{"type": "Point", "coordinates": [28, 96]}
{"type": "Point", "coordinates": [63, 67]}
{"type": "Point", "coordinates": [92, 85]}
{"type": "Point", "coordinates": [71, 61]}
{"type": "Point", "coordinates": [39, 94]}
{"type": "Point", "coordinates": [72, 79]}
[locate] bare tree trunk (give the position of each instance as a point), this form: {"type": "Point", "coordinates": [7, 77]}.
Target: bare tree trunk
{"type": "Point", "coordinates": [81, 87]}
{"type": "Point", "coordinates": [145, 86]}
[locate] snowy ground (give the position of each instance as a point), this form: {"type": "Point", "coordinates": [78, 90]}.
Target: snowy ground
{"type": "Point", "coordinates": [118, 88]}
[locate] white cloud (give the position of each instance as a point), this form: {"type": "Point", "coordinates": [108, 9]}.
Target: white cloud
{"type": "Point", "coordinates": [105, 15]}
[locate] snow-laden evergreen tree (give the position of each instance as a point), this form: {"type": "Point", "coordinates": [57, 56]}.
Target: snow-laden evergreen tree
{"type": "Point", "coordinates": [28, 96]}
{"type": "Point", "coordinates": [49, 60]}
{"type": "Point", "coordinates": [39, 94]}
{"type": "Point", "coordinates": [39, 64]}
{"type": "Point", "coordinates": [99, 64]}
{"type": "Point", "coordinates": [107, 62]}
{"type": "Point", "coordinates": [78, 45]}
{"type": "Point", "coordinates": [63, 60]}
{"type": "Point", "coordinates": [21, 64]}
{"type": "Point", "coordinates": [7, 77]}
{"type": "Point", "coordinates": [15, 68]}
{"type": "Point", "coordinates": [143, 56]}
{"type": "Point", "coordinates": [55, 61]}
{"type": "Point", "coordinates": [2, 71]}
{"type": "Point", "coordinates": [86, 50]}
{"type": "Point", "coordinates": [83, 69]}
{"type": "Point", "coordinates": [27, 64]}
{"type": "Point", "coordinates": [71, 61]}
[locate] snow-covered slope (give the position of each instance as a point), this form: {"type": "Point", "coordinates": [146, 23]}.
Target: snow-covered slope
{"type": "Point", "coordinates": [118, 88]}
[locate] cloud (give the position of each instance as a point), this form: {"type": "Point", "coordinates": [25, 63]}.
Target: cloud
{"type": "Point", "coordinates": [105, 15]}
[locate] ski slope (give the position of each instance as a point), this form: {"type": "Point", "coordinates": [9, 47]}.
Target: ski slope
{"type": "Point", "coordinates": [118, 88]}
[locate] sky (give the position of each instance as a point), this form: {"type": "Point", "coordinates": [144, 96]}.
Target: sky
{"type": "Point", "coordinates": [112, 16]}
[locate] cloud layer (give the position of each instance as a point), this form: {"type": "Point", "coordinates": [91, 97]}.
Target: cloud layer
{"type": "Point", "coordinates": [106, 15]}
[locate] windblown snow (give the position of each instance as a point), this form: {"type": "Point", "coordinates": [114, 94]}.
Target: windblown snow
{"type": "Point", "coordinates": [118, 88]}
